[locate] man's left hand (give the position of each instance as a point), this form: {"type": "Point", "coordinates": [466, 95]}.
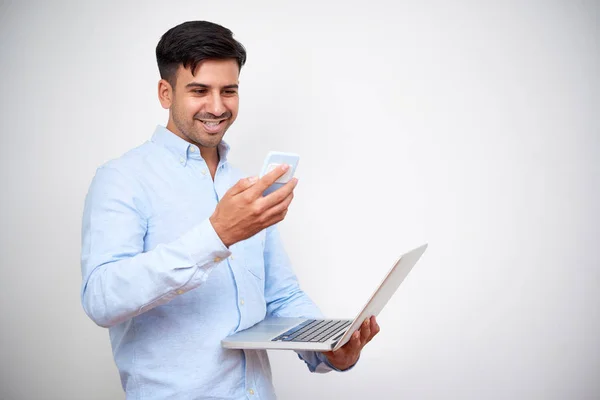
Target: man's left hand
{"type": "Point", "coordinates": [347, 355]}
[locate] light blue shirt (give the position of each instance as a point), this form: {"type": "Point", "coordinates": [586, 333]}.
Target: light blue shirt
{"type": "Point", "coordinates": [156, 273]}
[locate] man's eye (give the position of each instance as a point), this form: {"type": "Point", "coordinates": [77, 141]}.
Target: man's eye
{"type": "Point", "coordinates": [230, 92]}
{"type": "Point", "coordinates": [199, 91]}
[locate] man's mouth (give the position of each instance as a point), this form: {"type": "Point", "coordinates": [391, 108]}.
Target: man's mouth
{"type": "Point", "coordinates": [212, 126]}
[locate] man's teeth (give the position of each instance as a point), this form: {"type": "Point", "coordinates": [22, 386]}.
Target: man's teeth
{"type": "Point", "coordinates": [211, 123]}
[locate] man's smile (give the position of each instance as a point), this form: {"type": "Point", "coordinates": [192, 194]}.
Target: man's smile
{"type": "Point", "coordinates": [212, 126]}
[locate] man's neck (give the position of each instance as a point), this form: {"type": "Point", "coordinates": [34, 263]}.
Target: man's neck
{"type": "Point", "coordinates": [209, 154]}
{"type": "Point", "coordinates": [211, 157]}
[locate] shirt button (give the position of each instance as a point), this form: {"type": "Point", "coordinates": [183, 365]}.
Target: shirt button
{"type": "Point", "coordinates": [231, 257]}
{"type": "Point", "coordinates": [217, 259]}
{"type": "Point", "coordinates": [179, 291]}
{"type": "Point", "coordinates": [192, 149]}
{"type": "Point", "coordinates": [181, 160]}
{"type": "Point", "coordinates": [250, 391]}
{"type": "Point", "coordinates": [242, 302]}
{"type": "Point", "coordinates": [203, 172]}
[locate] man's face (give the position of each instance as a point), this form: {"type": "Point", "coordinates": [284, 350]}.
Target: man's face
{"type": "Point", "coordinates": [204, 106]}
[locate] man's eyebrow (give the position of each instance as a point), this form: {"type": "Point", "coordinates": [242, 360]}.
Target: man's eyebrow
{"type": "Point", "coordinates": [196, 84]}
{"type": "Point", "coordinates": [204, 86]}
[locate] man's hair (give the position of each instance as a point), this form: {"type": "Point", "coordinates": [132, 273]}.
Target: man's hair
{"type": "Point", "coordinates": [190, 43]}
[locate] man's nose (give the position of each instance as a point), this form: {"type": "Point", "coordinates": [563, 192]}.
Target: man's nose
{"type": "Point", "coordinates": [215, 105]}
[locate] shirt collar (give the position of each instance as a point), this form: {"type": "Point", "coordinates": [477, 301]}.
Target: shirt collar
{"type": "Point", "coordinates": [181, 148]}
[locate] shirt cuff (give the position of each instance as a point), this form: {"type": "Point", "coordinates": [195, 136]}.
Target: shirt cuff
{"type": "Point", "coordinates": [326, 366]}
{"type": "Point", "coordinates": [204, 246]}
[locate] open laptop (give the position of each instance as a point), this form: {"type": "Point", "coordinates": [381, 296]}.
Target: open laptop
{"type": "Point", "coordinates": [322, 334]}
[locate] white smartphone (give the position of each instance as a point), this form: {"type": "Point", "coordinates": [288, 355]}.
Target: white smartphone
{"type": "Point", "coordinates": [275, 159]}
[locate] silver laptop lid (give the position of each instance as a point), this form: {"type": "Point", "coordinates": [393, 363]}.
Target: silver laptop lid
{"type": "Point", "coordinates": [384, 292]}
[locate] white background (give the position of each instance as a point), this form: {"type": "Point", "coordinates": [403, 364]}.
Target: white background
{"type": "Point", "coordinates": [472, 126]}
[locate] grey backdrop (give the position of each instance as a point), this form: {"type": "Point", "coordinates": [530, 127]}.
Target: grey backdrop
{"type": "Point", "coordinates": [470, 125]}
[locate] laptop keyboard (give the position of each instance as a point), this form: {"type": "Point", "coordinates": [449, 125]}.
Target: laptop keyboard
{"type": "Point", "coordinates": [314, 330]}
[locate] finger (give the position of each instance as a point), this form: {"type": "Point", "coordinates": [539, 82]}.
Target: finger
{"type": "Point", "coordinates": [365, 332]}
{"type": "Point", "coordinates": [278, 195]}
{"type": "Point", "coordinates": [374, 327]}
{"type": "Point", "coordinates": [269, 179]}
{"type": "Point", "coordinates": [355, 342]}
{"type": "Point", "coordinates": [274, 219]}
{"type": "Point", "coordinates": [278, 211]}
{"type": "Point", "coordinates": [242, 185]}
{"type": "Point", "coordinates": [351, 347]}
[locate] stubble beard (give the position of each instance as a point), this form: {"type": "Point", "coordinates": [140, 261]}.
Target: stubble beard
{"type": "Point", "coordinates": [194, 133]}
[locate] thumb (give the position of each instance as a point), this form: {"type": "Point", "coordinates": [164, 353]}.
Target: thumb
{"type": "Point", "coordinates": [242, 185]}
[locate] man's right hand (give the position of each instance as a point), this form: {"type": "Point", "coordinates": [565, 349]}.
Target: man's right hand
{"type": "Point", "coordinates": [243, 211]}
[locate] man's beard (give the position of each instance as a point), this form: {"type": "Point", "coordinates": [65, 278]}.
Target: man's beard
{"type": "Point", "coordinates": [195, 133]}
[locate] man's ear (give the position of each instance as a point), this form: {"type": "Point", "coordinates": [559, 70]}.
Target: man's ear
{"type": "Point", "coordinates": [165, 93]}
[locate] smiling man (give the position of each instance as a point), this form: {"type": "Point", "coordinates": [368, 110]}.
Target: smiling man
{"type": "Point", "coordinates": [179, 250]}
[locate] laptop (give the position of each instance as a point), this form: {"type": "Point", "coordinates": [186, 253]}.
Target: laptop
{"type": "Point", "coordinates": [322, 334]}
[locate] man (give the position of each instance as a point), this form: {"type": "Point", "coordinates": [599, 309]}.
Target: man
{"type": "Point", "coordinates": [179, 251]}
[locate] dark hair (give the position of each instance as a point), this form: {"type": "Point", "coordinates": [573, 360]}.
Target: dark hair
{"type": "Point", "coordinates": [191, 42]}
